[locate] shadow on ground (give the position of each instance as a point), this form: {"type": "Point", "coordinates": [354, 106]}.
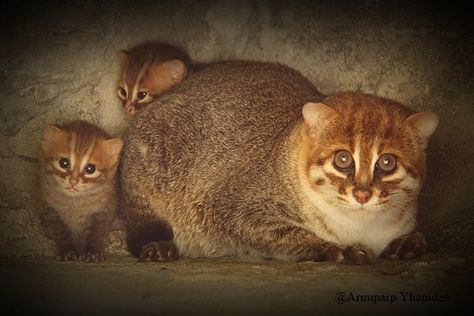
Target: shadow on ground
{"type": "Point", "coordinates": [121, 286]}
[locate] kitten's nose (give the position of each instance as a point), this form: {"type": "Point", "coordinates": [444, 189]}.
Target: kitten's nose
{"type": "Point", "coordinates": [361, 195]}
{"type": "Point", "coordinates": [73, 182]}
{"type": "Point", "coordinates": [129, 109]}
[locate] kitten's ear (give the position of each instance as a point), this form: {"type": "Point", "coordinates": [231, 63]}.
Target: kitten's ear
{"type": "Point", "coordinates": [113, 147]}
{"type": "Point", "coordinates": [425, 124]}
{"type": "Point", "coordinates": [315, 113]}
{"type": "Point", "coordinates": [52, 136]}
{"type": "Point", "coordinates": [123, 56]}
{"type": "Point", "coordinates": [163, 77]}
{"type": "Point", "coordinates": [176, 70]}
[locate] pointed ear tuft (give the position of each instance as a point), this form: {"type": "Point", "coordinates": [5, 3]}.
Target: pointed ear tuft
{"type": "Point", "coordinates": [424, 122]}
{"type": "Point", "coordinates": [315, 113]}
{"type": "Point", "coordinates": [52, 135]}
{"type": "Point", "coordinates": [113, 148]}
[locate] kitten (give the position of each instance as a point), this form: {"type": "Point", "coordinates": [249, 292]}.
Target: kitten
{"type": "Point", "coordinates": [78, 187]}
{"type": "Point", "coordinates": [257, 165]}
{"type": "Point", "coordinates": [148, 71]}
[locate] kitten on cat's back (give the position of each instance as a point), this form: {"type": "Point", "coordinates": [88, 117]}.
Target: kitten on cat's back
{"type": "Point", "coordinates": [247, 160]}
{"type": "Point", "coordinates": [78, 186]}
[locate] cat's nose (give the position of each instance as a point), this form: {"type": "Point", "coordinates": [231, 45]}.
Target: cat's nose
{"type": "Point", "coordinates": [73, 182]}
{"type": "Point", "coordinates": [130, 109]}
{"type": "Point", "coordinates": [362, 195]}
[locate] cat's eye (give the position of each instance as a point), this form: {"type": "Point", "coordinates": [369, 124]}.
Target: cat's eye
{"type": "Point", "coordinates": [122, 92]}
{"type": "Point", "coordinates": [343, 161]}
{"type": "Point", "coordinates": [64, 163]}
{"type": "Point", "coordinates": [89, 168]}
{"type": "Point", "coordinates": [141, 95]}
{"type": "Point", "coordinates": [387, 163]}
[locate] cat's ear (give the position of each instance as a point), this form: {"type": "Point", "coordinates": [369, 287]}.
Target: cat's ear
{"type": "Point", "coordinates": [176, 70]}
{"type": "Point", "coordinates": [161, 77]}
{"type": "Point", "coordinates": [122, 56]}
{"type": "Point", "coordinates": [113, 147]}
{"type": "Point", "coordinates": [53, 136]}
{"type": "Point", "coordinates": [316, 113]}
{"type": "Point", "coordinates": [425, 124]}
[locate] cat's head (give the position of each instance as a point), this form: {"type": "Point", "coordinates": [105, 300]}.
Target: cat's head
{"type": "Point", "coordinates": [148, 71]}
{"type": "Point", "coordinates": [79, 156]}
{"type": "Point", "coordinates": [366, 153]}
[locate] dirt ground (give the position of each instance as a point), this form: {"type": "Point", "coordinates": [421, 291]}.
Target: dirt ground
{"type": "Point", "coordinates": [121, 286]}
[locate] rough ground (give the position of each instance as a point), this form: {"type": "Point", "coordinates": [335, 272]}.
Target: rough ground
{"type": "Point", "coordinates": [121, 286]}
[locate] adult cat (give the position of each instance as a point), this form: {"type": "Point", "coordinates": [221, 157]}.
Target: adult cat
{"type": "Point", "coordinates": [242, 161]}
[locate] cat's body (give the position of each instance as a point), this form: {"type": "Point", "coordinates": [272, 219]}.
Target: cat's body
{"type": "Point", "coordinates": [230, 168]}
{"type": "Point", "coordinates": [78, 186]}
{"type": "Point", "coordinates": [148, 71]}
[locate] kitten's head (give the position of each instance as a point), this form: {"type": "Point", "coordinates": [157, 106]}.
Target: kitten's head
{"type": "Point", "coordinates": [79, 156]}
{"type": "Point", "coordinates": [149, 70]}
{"type": "Point", "coordinates": [366, 153]}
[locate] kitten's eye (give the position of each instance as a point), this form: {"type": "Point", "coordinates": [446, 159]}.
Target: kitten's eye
{"type": "Point", "coordinates": [343, 160]}
{"type": "Point", "coordinates": [141, 95]}
{"type": "Point", "coordinates": [64, 163]}
{"type": "Point", "coordinates": [387, 163]}
{"type": "Point", "coordinates": [122, 92]}
{"type": "Point", "coordinates": [89, 169]}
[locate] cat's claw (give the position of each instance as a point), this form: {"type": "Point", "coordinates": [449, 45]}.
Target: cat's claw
{"type": "Point", "coordinates": [159, 251]}
{"type": "Point", "coordinates": [349, 255]}
{"type": "Point", "coordinates": [405, 247]}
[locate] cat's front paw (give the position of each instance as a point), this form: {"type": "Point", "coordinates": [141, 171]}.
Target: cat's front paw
{"type": "Point", "coordinates": [350, 255]}
{"type": "Point", "coordinates": [92, 257]}
{"type": "Point", "coordinates": [159, 251]}
{"type": "Point", "coordinates": [404, 247]}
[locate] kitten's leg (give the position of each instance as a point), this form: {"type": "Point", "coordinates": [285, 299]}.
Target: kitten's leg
{"type": "Point", "coordinates": [57, 231]}
{"type": "Point", "coordinates": [148, 237]}
{"type": "Point", "coordinates": [97, 232]}
{"type": "Point", "coordinates": [406, 246]}
{"type": "Point", "coordinates": [300, 244]}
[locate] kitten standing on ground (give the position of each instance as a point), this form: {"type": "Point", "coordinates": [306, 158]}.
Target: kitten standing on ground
{"type": "Point", "coordinates": [148, 71]}
{"type": "Point", "coordinates": [78, 186]}
{"type": "Point", "coordinates": [258, 164]}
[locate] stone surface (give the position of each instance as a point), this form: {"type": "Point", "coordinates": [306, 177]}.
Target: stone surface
{"type": "Point", "coordinates": [121, 286]}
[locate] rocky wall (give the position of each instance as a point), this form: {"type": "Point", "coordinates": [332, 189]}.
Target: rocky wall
{"type": "Point", "coordinates": [58, 61]}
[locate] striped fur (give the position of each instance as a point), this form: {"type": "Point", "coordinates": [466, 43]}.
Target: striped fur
{"type": "Point", "coordinates": [79, 205]}
{"type": "Point", "coordinates": [150, 69]}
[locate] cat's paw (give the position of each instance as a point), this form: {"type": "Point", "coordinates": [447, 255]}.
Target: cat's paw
{"type": "Point", "coordinates": [350, 255]}
{"type": "Point", "coordinates": [67, 256]}
{"type": "Point", "coordinates": [92, 257]}
{"type": "Point", "coordinates": [404, 247]}
{"type": "Point", "coordinates": [159, 251]}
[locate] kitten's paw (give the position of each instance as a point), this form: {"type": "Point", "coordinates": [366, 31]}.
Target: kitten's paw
{"type": "Point", "coordinates": [349, 255]}
{"type": "Point", "coordinates": [91, 257]}
{"type": "Point", "coordinates": [67, 256]}
{"type": "Point", "coordinates": [404, 247]}
{"type": "Point", "coordinates": [159, 251]}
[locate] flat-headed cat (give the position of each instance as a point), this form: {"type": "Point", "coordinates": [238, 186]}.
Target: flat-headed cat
{"type": "Point", "coordinates": [148, 71]}
{"type": "Point", "coordinates": [258, 164]}
{"type": "Point", "coordinates": [78, 180]}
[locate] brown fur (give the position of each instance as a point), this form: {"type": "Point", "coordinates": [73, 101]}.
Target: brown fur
{"type": "Point", "coordinates": [78, 207]}
{"type": "Point", "coordinates": [152, 68]}
{"type": "Point", "coordinates": [225, 164]}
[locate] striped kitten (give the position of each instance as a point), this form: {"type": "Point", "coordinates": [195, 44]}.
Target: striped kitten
{"type": "Point", "coordinates": [267, 168]}
{"type": "Point", "coordinates": [78, 186]}
{"type": "Point", "coordinates": [148, 71]}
